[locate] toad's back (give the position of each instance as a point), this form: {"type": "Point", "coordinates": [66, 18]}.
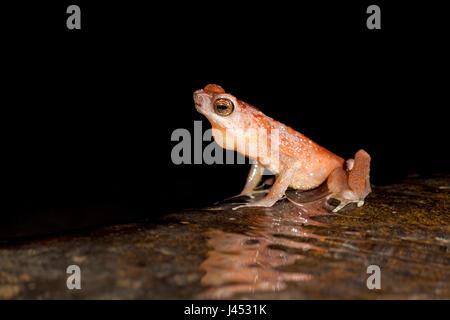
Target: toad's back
{"type": "Point", "coordinates": [315, 162]}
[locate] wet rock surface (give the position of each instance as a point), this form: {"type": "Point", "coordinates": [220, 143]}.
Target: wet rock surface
{"type": "Point", "coordinates": [285, 252]}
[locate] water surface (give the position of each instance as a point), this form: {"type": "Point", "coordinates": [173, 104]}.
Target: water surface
{"type": "Point", "coordinates": [284, 252]}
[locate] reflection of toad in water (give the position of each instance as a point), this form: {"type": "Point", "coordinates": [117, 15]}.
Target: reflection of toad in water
{"type": "Point", "coordinates": [248, 263]}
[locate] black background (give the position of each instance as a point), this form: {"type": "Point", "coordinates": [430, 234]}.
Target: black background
{"type": "Point", "coordinates": [88, 114]}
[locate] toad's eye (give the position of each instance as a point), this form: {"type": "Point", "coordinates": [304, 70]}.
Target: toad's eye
{"type": "Point", "coordinates": [223, 107]}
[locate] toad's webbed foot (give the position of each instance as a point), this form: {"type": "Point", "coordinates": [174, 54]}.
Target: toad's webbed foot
{"type": "Point", "coordinates": [342, 203]}
{"type": "Point", "coordinates": [260, 203]}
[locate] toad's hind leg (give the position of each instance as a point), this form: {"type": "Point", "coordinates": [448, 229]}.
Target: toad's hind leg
{"type": "Point", "coordinates": [351, 184]}
{"type": "Point", "coordinates": [359, 175]}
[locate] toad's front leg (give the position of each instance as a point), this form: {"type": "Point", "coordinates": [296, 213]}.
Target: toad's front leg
{"type": "Point", "coordinates": [278, 189]}
{"type": "Point", "coordinates": [253, 179]}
